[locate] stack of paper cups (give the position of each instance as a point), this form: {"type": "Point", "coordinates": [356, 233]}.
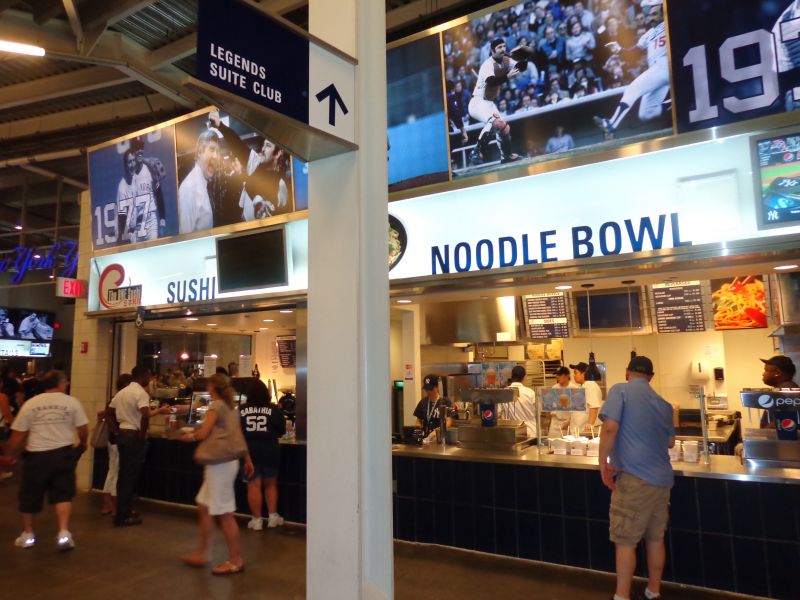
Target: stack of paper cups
{"type": "Point", "coordinates": [691, 451]}
{"type": "Point", "coordinates": [675, 452]}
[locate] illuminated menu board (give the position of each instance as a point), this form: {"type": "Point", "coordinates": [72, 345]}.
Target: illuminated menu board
{"type": "Point", "coordinates": [679, 307]}
{"type": "Point", "coordinates": [547, 315]}
{"type": "Point", "coordinates": [287, 350]}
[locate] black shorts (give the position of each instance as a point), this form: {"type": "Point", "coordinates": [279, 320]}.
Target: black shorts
{"type": "Point", "coordinates": [51, 471]}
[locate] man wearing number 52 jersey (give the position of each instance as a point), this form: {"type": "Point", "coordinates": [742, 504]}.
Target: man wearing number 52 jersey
{"type": "Point", "coordinates": [652, 86]}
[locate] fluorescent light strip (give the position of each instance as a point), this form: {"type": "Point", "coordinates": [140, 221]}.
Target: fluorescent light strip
{"type": "Point", "coordinates": [6, 46]}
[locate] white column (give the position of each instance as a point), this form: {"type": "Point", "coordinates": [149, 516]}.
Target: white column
{"type": "Point", "coordinates": [411, 356]}
{"type": "Point", "coordinates": [128, 347]}
{"type": "Point", "coordinates": [349, 539]}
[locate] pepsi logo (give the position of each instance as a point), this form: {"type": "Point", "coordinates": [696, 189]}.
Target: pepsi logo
{"type": "Point", "coordinates": [488, 414]}
{"type": "Point", "coordinates": [788, 157]}
{"type": "Point", "coordinates": [766, 401]}
{"type": "Point", "coordinates": [787, 424]}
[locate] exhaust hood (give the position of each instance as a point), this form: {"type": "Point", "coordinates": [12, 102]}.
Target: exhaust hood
{"type": "Point", "coordinates": [471, 321]}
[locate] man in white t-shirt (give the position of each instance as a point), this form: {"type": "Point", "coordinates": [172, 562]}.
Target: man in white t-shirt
{"type": "Point", "coordinates": [524, 408]}
{"type": "Point", "coordinates": [560, 421]}
{"type": "Point", "coordinates": [594, 397]}
{"type": "Point", "coordinates": [45, 427]}
{"type": "Point", "coordinates": [130, 416]}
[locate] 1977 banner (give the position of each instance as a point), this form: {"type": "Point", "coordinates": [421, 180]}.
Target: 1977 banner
{"type": "Point", "coordinates": [733, 60]}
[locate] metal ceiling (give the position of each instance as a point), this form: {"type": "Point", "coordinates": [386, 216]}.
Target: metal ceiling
{"type": "Point", "coordinates": [112, 67]}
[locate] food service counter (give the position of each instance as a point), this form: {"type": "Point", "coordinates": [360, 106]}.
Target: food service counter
{"type": "Point", "coordinates": [731, 528]}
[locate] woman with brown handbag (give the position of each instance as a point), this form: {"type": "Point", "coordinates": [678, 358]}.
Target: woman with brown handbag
{"type": "Point", "coordinates": [216, 497]}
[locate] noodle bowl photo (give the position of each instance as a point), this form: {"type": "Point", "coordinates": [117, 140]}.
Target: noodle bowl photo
{"type": "Point", "coordinates": [739, 303]}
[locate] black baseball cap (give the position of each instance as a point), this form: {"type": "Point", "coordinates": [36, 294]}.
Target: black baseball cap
{"type": "Point", "coordinates": [431, 382]}
{"type": "Point", "coordinates": [641, 364]}
{"type": "Point", "coordinates": [496, 42]}
{"type": "Point", "coordinates": [581, 366]}
{"type": "Point", "coordinates": [562, 371]}
{"type": "Point", "coordinates": [784, 363]}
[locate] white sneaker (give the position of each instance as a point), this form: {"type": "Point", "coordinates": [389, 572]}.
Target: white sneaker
{"type": "Point", "coordinates": [25, 540]}
{"type": "Point", "coordinates": [64, 541]}
{"type": "Point", "coordinates": [275, 520]}
{"type": "Point", "coordinates": [256, 524]}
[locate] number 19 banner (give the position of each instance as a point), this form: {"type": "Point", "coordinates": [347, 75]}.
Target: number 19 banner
{"type": "Point", "coordinates": [733, 60]}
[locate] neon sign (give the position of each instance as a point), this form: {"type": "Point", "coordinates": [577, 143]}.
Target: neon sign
{"type": "Point", "coordinates": [62, 257]}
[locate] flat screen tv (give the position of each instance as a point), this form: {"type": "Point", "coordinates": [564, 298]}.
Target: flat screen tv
{"type": "Point", "coordinates": [252, 260]}
{"type": "Point", "coordinates": [776, 169]}
{"type": "Point", "coordinates": [609, 309]}
{"type": "Point", "coordinates": [24, 324]}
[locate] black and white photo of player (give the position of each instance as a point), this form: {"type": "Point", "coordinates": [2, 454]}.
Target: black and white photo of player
{"type": "Point", "coordinates": [651, 88]}
{"type": "Point", "coordinates": [787, 43]}
{"type": "Point", "coordinates": [139, 205]}
{"type": "Point", "coordinates": [35, 327]}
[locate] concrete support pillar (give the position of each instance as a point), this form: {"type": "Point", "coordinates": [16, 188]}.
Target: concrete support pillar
{"type": "Point", "coordinates": [349, 548]}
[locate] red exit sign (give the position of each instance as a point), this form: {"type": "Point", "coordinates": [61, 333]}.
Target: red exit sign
{"type": "Point", "coordinates": [70, 288]}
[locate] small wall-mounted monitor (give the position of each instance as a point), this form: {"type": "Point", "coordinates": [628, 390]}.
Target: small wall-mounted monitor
{"type": "Point", "coordinates": [252, 260]}
{"type": "Point", "coordinates": [776, 169]}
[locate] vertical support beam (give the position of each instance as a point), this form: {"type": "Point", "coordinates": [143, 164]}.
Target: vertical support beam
{"type": "Point", "coordinates": [23, 215]}
{"type": "Point", "coordinates": [411, 356]}
{"type": "Point", "coordinates": [349, 539]}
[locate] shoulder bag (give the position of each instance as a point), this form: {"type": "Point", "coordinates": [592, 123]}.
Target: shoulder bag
{"type": "Point", "coordinates": [100, 434]}
{"type": "Point", "coordinates": [225, 442]}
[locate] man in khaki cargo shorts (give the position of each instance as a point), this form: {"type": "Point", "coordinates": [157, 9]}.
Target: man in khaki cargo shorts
{"type": "Point", "coordinates": [634, 464]}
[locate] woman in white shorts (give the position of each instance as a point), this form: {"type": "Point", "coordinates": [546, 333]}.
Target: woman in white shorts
{"type": "Point", "coordinates": [216, 497]}
{"type": "Point", "coordinates": [110, 486]}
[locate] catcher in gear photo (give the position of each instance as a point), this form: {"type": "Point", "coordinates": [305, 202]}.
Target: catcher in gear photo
{"type": "Point", "coordinates": [651, 88]}
{"type": "Point", "coordinates": [494, 72]}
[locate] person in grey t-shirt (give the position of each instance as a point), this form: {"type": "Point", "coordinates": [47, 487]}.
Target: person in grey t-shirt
{"type": "Point", "coordinates": [634, 464]}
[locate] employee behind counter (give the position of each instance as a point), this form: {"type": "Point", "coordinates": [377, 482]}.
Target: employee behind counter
{"type": "Point", "coordinates": [429, 410]}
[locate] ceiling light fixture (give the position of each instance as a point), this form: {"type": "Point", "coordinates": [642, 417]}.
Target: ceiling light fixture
{"type": "Point", "coordinates": [563, 287]}
{"type": "Point", "coordinates": [191, 318]}
{"type": "Point", "coordinates": [16, 48]}
{"type": "Point", "coordinates": [37, 256]}
{"type": "Point", "coordinates": [784, 267]}
{"type": "Point", "coordinates": [211, 324]}
{"type": "Point", "coordinates": [18, 227]}
{"type": "Point", "coordinates": [184, 356]}
{"type": "Point", "coordinates": [286, 312]}
{"type": "Point", "coordinates": [263, 328]}
{"type": "Point", "coordinates": [404, 301]}
{"type": "Point", "coordinates": [269, 320]}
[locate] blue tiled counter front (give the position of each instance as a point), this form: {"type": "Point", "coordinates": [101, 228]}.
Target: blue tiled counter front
{"type": "Point", "coordinates": [170, 474]}
{"type": "Point", "coordinates": [555, 509]}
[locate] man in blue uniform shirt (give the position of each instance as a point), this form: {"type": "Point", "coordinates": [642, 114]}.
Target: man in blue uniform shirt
{"type": "Point", "coordinates": [634, 464]}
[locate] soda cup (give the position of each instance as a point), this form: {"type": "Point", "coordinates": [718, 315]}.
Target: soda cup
{"type": "Point", "coordinates": [488, 414]}
{"type": "Point", "coordinates": [786, 425]}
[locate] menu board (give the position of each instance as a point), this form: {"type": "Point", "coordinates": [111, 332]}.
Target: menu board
{"type": "Point", "coordinates": [547, 315]}
{"type": "Point", "coordinates": [287, 350]}
{"type": "Point", "coordinates": [679, 307]}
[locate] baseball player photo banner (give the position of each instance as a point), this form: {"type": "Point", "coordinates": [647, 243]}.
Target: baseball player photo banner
{"type": "Point", "coordinates": [733, 60]}
{"type": "Point", "coordinates": [134, 189]}
{"type": "Point", "coordinates": [228, 173]}
{"type": "Point", "coordinates": [531, 81]}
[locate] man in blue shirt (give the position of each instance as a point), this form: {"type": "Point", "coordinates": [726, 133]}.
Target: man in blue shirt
{"type": "Point", "coordinates": [634, 464]}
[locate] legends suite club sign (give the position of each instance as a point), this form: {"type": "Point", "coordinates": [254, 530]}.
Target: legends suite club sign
{"type": "Point", "coordinates": [246, 52]}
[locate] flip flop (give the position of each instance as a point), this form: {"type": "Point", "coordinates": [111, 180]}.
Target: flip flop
{"type": "Point", "coordinates": [193, 561]}
{"type": "Point", "coordinates": [227, 568]}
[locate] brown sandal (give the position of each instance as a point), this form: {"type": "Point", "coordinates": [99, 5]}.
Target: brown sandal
{"type": "Point", "coordinates": [227, 568]}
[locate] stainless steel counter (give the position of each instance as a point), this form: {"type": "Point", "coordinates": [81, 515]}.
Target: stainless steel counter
{"type": "Point", "coordinates": [720, 467]}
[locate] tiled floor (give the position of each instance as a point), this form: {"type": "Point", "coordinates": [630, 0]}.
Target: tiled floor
{"type": "Point", "coordinates": [132, 563]}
